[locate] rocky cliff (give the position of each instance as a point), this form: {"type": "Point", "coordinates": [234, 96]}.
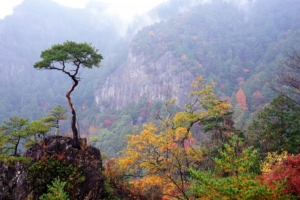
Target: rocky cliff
{"type": "Point", "coordinates": [54, 157]}
{"type": "Point", "coordinates": [165, 78]}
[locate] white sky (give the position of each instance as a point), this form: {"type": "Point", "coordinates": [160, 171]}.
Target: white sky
{"type": "Point", "coordinates": [125, 8]}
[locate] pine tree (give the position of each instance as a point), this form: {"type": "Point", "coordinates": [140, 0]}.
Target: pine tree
{"type": "Point", "coordinates": [56, 191]}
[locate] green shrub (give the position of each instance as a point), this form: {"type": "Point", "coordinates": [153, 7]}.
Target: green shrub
{"type": "Point", "coordinates": [46, 170]}
{"type": "Point", "coordinates": [55, 191]}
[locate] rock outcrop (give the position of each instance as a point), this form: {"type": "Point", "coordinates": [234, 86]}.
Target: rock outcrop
{"type": "Point", "coordinates": [21, 181]}
{"type": "Point", "coordinates": [163, 79]}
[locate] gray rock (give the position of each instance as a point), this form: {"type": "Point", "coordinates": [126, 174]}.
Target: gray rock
{"type": "Point", "coordinates": [163, 79]}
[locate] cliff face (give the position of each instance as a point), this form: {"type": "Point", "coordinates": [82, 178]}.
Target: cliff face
{"type": "Point", "coordinates": [163, 79]}
{"type": "Point", "coordinates": [54, 157]}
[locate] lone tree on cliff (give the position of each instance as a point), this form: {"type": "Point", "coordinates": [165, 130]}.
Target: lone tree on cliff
{"type": "Point", "coordinates": [68, 58]}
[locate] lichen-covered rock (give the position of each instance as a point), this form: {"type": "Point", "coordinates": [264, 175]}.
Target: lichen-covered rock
{"type": "Point", "coordinates": [54, 157]}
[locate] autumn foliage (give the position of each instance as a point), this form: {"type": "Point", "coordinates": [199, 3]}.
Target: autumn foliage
{"type": "Point", "coordinates": [164, 160]}
{"type": "Point", "coordinates": [107, 123]}
{"type": "Point", "coordinates": [288, 171]}
{"type": "Point", "coordinates": [159, 161]}
{"type": "Point", "coordinates": [241, 98]}
{"type": "Point", "coordinates": [158, 157]}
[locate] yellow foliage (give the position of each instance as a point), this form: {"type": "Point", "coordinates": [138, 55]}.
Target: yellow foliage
{"type": "Point", "coordinates": [181, 133]}
{"type": "Point", "coordinates": [271, 159]}
{"type": "Point", "coordinates": [207, 99]}
{"type": "Point", "coordinates": [185, 119]}
{"type": "Point", "coordinates": [153, 186]}
{"type": "Point", "coordinates": [159, 154]}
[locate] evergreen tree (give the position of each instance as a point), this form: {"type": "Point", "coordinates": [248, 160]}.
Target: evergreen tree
{"type": "Point", "coordinates": [59, 57]}
{"type": "Point", "coordinates": [56, 191]}
{"type": "Point", "coordinates": [277, 127]}
{"type": "Point", "coordinates": [13, 132]}
{"type": "Point", "coordinates": [57, 114]}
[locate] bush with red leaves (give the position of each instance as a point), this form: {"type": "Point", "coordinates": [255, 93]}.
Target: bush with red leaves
{"type": "Point", "coordinates": [107, 123]}
{"type": "Point", "coordinates": [289, 170]}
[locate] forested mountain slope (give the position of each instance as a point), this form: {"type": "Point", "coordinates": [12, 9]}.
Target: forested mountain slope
{"type": "Point", "coordinates": [240, 47]}
{"type": "Point", "coordinates": [34, 27]}
{"type": "Point", "coordinates": [237, 45]}
{"type": "Point", "coordinates": [226, 136]}
{"type": "Point", "coordinates": [37, 25]}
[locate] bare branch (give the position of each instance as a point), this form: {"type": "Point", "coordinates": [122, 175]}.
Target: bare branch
{"type": "Point", "coordinates": [288, 78]}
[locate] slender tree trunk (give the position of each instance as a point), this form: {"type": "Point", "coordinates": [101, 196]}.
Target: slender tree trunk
{"type": "Point", "coordinates": [73, 122]}
{"type": "Point", "coordinates": [75, 131]}
{"type": "Point", "coordinates": [16, 147]}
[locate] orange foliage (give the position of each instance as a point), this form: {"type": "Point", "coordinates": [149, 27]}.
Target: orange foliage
{"type": "Point", "coordinates": [116, 179]}
{"type": "Point", "coordinates": [92, 128]}
{"type": "Point", "coordinates": [241, 98]}
{"type": "Point", "coordinates": [161, 153]}
{"type": "Point", "coordinates": [110, 168]}
{"type": "Point", "coordinates": [245, 70]}
{"type": "Point", "coordinates": [184, 57]}
{"type": "Point", "coordinates": [151, 33]}
{"type": "Point", "coordinates": [150, 186]}
{"type": "Point", "coordinates": [200, 65]}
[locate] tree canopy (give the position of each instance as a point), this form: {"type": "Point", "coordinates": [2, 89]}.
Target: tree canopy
{"type": "Point", "coordinates": [60, 57]}
{"type": "Point", "coordinates": [69, 52]}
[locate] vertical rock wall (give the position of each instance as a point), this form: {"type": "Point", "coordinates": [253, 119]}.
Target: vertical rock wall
{"type": "Point", "coordinates": [163, 79]}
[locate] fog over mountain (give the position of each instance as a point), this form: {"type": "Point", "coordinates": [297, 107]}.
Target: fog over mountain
{"type": "Point", "coordinates": [236, 39]}
{"type": "Point", "coordinates": [194, 99]}
{"type": "Point", "coordinates": [35, 26]}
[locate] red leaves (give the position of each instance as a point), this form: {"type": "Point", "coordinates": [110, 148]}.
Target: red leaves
{"type": "Point", "coordinates": [289, 170]}
{"type": "Point", "coordinates": [241, 98]}
{"type": "Point", "coordinates": [107, 123]}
